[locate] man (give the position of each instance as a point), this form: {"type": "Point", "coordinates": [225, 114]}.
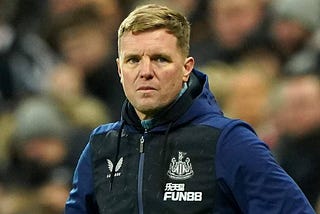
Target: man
{"type": "Point", "coordinates": [297, 148]}
{"type": "Point", "coordinates": [173, 151]}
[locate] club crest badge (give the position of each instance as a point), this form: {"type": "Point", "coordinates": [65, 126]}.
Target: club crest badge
{"type": "Point", "coordinates": [116, 169]}
{"type": "Point", "coordinates": [180, 169]}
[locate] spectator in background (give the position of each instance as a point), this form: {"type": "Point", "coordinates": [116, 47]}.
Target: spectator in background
{"type": "Point", "coordinates": [38, 156]}
{"type": "Point", "coordinates": [243, 89]}
{"type": "Point", "coordinates": [18, 202]}
{"type": "Point", "coordinates": [63, 86]}
{"type": "Point", "coordinates": [292, 33]}
{"type": "Point", "coordinates": [25, 58]}
{"type": "Point", "coordinates": [235, 26]}
{"type": "Point", "coordinates": [110, 11]}
{"type": "Point", "coordinates": [248, 96]}
{"type": "Point", "coordinates": [81, 39]}
{"type": "Point", "coordinates": [298, 124]}
{"type": "Point", "coordinates": [66, 87]}
{"type": "Point", "coordinates": [39, 143]}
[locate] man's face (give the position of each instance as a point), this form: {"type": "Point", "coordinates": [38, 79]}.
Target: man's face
{"type": "Point", "coordinates": [234, 20]}
{"type": "Point", "coordinates": [152, 70]}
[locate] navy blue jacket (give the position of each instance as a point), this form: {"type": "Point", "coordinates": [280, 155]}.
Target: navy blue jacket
{"type": "Point", "coordinates": [188, 159]}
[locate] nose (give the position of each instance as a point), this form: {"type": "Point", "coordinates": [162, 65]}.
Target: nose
{"type": "Point", "coordinates": [146, 68]}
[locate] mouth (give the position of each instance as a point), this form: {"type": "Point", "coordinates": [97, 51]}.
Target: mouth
{"type": "Point", "coordinates": [146, 88]}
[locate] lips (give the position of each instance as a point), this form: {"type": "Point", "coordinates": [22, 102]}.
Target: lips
{"type": "Point", "coordinates": [145, 88]}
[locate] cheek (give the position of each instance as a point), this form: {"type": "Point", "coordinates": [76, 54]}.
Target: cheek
{"type": "Point", "coordinates": [127, 85]}
{"type": "Point", "coordinates": [173, 84]}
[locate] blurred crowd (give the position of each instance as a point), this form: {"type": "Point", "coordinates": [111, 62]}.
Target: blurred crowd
{"type": "Point", "coordinates": [58, 81]}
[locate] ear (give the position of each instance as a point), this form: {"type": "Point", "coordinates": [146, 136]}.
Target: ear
{"type": "Point", "coordinates": [119, 69]}
{"type": "Point", "coordinates": [188, 66]}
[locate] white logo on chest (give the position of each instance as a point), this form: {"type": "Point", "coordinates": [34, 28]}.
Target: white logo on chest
{"type": "Point", "coordinates": [176, 192]}
{"type": "Point", "coordinates": [116, 169]}
{"type": "Point", "coordinates": [181, 169]}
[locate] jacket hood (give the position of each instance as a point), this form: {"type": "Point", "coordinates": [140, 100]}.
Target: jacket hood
{"type": "Point", "coordinates": [194, 104]}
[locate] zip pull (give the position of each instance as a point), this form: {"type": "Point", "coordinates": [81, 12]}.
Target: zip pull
{"type": "Point", "coordinates": [141, 144]}
{"type": "Point", "coordinates": [141, 148]}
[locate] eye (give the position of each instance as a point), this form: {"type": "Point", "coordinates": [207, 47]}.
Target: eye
{"type": "Point", "coordinates": [133, 60]}
{"type": "Point", "coordinates": [160, 59]}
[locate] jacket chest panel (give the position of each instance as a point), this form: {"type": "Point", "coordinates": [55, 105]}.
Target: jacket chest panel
{"type": "Point", "coordinates": [115, 193]}
{"type": "Point", "coordinates": [180, 173]}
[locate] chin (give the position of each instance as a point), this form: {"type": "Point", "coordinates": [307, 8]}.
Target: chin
{"type": "Point", "coordinates": [149, 109]}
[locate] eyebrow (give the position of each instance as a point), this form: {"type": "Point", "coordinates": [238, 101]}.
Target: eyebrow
{"type": "Point", "coordinates": [130, 55]}
{"type": "Point", "coordinates": [155, 55]}
{"type": "Point", "coordinates": [161, 55]}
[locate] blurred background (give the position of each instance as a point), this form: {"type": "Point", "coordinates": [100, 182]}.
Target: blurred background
{"type": "Point", "coordinates": [58, 81]}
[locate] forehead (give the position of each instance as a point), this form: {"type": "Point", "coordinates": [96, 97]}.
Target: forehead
{"type": "Point", "coordinates": [159, 39]}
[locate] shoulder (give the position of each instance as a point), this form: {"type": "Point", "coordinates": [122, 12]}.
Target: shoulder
{"type": "Point", "coordinates": [239, 149]}
{"type": "Point", "coordinates": [105, 128]}
{"type": "Point", "coordinates": [239, 146]}
{"type": "Point", "coordinates": [245, 164]}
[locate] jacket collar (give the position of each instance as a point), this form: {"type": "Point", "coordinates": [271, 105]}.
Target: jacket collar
{"type": "Point", "coordinates": [172, 112]}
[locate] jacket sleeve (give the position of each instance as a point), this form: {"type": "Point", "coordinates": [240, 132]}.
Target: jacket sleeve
{"type": "Point", "coordinates": [252, 177]}
{"type": "Point", "coordinates": [81, 199]}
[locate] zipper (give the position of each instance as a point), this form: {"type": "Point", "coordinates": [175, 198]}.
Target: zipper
{"type": "Point", "coordinates": [141, 146]}
{"type": "Point", "coordinates": [140, 172]}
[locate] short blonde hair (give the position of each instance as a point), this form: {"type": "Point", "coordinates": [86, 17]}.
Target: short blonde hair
{"type": "Point", "coordinates": [152, 17]}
